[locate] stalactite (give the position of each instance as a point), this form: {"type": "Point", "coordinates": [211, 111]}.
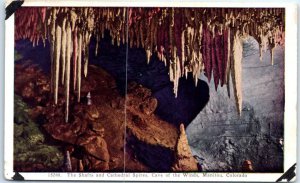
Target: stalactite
{"type": "Point", "coordinates": [57, 49]}
{"type": "Point", "coordinates": [52, 24]}
{"type": "Point", "coordinates": [219, 55]}
{"type": "Point", "coordinates": [67, 73]}
{"type": "Point", "coordinates": [75, 51]}
{"type": "Point", "coordinates": [186, 39]}
{"type": "Point", "coordinates": [229, 59]}
{"type": "Point", "coordinates": [79, 65]}
{"type": "Point", "coordinates": [226, 54]}
{"type": "Point", "coordinates": [73, 16]}
{"type": "Point", "coordinates": [214, 49]}
{"type": "Point", "coordinates": [97, 44]}
{"type": "Point", "coordinates": [237, 71]}
{"type": "Point", "coordinates": [207, 47]}
{"type": "Point", "coordinates": [87, 37]}
{"type": "Point", "coordinates": [63, 50]}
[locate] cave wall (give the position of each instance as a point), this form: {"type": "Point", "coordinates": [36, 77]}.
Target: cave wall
{"type": "Point", "coordinates": [222, 140]}
{"type": "Point", "coordinates": [218, 136]}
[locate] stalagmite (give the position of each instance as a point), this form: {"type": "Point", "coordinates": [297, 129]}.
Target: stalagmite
{"type": "Point", "coordinates": [184, 159]}
{"type": "Point", "coordinates": [272, 55]}
{"type": "Point", "coordinates": [67, 162]}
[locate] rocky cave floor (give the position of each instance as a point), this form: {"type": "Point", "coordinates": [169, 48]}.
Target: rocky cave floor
{"type": "Point", "coordinates": [100, 136]}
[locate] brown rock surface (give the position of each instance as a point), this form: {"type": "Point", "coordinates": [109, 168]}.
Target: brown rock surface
{"type": "Point", "coordinates": [149, 139]}
{"type": "Point", "coordinates": [83, 118]}
{"type": "Point", "coordinates": [100, 129]}
{"type": "Point", "coordinates": [141, 121]}
{"type": "Point", "coordinates": [96, 156]}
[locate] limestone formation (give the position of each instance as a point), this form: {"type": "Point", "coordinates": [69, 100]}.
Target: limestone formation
{"type": "Point", "coordinates": [184, 160]}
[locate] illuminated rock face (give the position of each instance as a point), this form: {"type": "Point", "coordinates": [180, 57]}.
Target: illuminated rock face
{"type": "Point", "coordinates": [223, 140]}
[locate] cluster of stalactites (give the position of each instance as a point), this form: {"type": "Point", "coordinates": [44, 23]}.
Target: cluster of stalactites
{"type": "Point", "coordinates": [210, 40]}
{"type": "Point", "coordinates": [69, 31]}
{"type": "Point", "coordinates": [187, 40]}
{"type": "Point", "coordinates": [30, 24]}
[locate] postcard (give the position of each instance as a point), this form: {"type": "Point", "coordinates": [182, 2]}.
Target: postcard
{"type": "Point", "coordinates": [140, 91]}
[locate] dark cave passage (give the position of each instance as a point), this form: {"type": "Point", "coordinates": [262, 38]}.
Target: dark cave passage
{"type": "Point", "coordinates": [183, 109]}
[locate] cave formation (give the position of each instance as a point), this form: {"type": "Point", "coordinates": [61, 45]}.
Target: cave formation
{"type": "Point", "coordinates": [187, 40]}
